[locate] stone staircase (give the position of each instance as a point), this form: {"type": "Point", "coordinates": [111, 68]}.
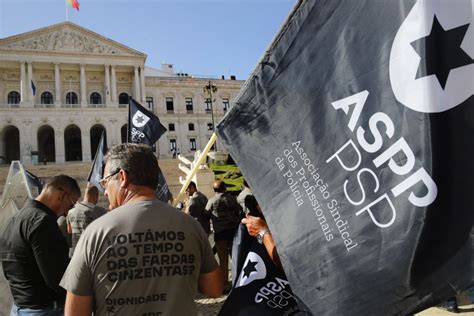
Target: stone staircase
{"type": "Point", "coordinates": [80, 171]}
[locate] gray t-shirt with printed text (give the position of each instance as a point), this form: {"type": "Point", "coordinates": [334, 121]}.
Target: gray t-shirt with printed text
{"type": "Point", "coordinates": [142, 258]}
{"type": "Point", "coordinates": [80, 216]}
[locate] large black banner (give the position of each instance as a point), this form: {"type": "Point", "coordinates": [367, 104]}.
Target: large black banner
{"type": "Point", "coordinates": [356, 134]}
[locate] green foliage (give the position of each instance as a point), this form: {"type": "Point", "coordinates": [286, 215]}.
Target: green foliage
{"type": "Point", "coordinates": [230, 174]}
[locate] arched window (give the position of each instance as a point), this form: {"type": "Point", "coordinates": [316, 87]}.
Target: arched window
{"type": "Point", "coordinates": [13, 97]}
{"type": "Point", "coordinates": [123, 98]}
{"type": "Point", "coordinates": [95, 98]}
{"type": "Point", "coordinates": [71, 98]}
{"type": "Point", "coordinates": [47, 98]}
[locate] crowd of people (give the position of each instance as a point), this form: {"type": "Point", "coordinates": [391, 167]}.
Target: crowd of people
{"type": "Point", "coordinates": [143, 256]}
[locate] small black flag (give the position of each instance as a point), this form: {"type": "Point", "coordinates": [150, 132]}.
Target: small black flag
{"type": "Point", "coordinates": [97, 169]}
{"type": "Point", "coordinates": [33, 180]}
{"type": "Point", "coordinates": [162, 190]}
{"type": "Point", "coordinates": [144, 127]}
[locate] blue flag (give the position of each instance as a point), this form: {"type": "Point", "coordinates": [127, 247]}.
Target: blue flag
{"type": "Point", "coordinates": [33, 87]}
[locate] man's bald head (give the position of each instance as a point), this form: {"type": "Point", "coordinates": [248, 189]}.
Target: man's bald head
{"type": "Point", "coordinates": [219, 186]}
{"type": "Point", "coordinates": [91, 195]}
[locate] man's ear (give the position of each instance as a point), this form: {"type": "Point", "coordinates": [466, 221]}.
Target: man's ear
{"type": "Point", "coordinates": [123, 178]}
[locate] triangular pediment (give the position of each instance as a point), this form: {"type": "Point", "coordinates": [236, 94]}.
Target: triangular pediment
{"type": "Point", "coordinates": [69, 38]}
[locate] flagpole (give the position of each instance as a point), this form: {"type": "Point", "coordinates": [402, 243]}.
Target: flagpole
{"type": "Point", "coordinates": [67, 16]}
{"type": "Point", "coordinates": [199, 162]}
{"type": "Point", "coordinates": [128, 121]}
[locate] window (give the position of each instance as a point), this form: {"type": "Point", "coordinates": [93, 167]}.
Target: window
{"type": "Point", "coordinates": [123, 98]}
{"type": "Point", "coordinates": [71, 98]}
{"type": "Point", "coordinates": [171, 127]}
{"type": "Point", "coordinates": [225, 103]}
{"type": "Point", "coordinates": [14, 97]}
{"type": "Point", "coordinates": [47, 98]}
{"type": "Point", "coordinates": [189, 105]}
{"type": "Point", "coordinates": [173, 144]}
{"type": "Point", "coordinates": [149, 102]}
{"type": "Point", "coordinates": [191, 126]}
{"type": "Point", "coordinates": [95, 98]}
{"type": "Point", "coordinates": [192, 142]}
{"type": "Point", "coordinates": [208, 104]}
{"type": "Point", "coordinates": [169, 104]}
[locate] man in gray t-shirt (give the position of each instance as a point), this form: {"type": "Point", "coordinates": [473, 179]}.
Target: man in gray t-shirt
{"type": "Point", "coordinates": [82, 214]}
{"type": "Point", "coordinates": [196, 207]}
{"type": "Point", "coordinates": [144, 257]}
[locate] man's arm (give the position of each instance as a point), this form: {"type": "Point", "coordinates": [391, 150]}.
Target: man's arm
{"type": "Point", "coordinates": [254, 226]}
{"type": "Point", "coordinates": [211, 283]}
{"type": "Point", "coordinates": [69, 228]}
{"type": "Point", "coordinates": [78, 305]}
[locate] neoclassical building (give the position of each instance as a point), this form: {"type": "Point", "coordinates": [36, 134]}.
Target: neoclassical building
{"type": "Point", "coordinates": [62, 85]}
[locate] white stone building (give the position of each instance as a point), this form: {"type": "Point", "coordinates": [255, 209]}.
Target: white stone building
{"type": "Point", "coordinates": [62, 85]}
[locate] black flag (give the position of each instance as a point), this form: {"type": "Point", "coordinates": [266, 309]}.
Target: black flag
{"type": "Point", "coordinates": [97, 169]}
{"type": "Point", "coordinates": [360, 121]}
{"type": "Point", "coordinates": [259, 287]}
{"type": "Point", "coordinates": [143, 126]}
{"type": "Point", "coordinates": [163, 192]}
{"type": "Point", "coordinates": [34, 181]}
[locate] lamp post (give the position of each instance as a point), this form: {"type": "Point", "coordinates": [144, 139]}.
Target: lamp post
{"type": "Point", "coordinates": [209, 89]}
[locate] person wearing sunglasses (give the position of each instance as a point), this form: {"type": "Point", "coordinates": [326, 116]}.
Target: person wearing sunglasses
{"type": "Point", "coordinates": [143, 257]}
{"type": "Point", "coordinates": [33, 251]}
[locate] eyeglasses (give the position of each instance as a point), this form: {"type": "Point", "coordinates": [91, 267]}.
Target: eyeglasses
{"type": "Point", "coordinates": [69, 197]}
{"type": "Point", "coordinates": [103, 182]}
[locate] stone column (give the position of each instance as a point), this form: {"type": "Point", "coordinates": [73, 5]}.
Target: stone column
{"type": "Point", "coordinates": [59, 144]}
{"type": "Point", "coordinates": [86, 145]}
{"type": "Point", "coordinates": [83, 87]}
{"type": "Point", "coordinates": [142, 83]}
{"type": "Point", "coordinates": [57, 85]}
{"type": "Point", "coordinates": [23, 91]}
{"type": "Point", "coordinates": [137, 84]}
{"type": "Point", "coordinates": [107, 85]}
{"type": "Point", "coordinates": [25, 141]}
{"type": "Point", "coordinates": [114, 85]}
{"type": "Point", "coordinates": [28, 84]}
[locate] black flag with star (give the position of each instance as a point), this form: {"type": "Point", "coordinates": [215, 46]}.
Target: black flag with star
{"type": "Point", "coordinates": [360, 121]}
{"type": "Point", "coordinates": [144, 127]}
{"type": "Point", "coordinates": [259, 287]}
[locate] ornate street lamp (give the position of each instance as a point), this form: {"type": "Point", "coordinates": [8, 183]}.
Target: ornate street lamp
{"type": "Point", "coordinates": [208, 90]}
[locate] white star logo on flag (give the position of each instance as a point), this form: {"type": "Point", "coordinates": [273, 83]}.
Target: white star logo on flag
{"type": "Point", "coordinates": [139, 119]}
{"type": "Point", "coordinates": [253, 269]}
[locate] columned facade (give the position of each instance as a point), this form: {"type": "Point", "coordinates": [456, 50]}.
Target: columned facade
{"type": "Point", "coordinates": [59, 85]}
